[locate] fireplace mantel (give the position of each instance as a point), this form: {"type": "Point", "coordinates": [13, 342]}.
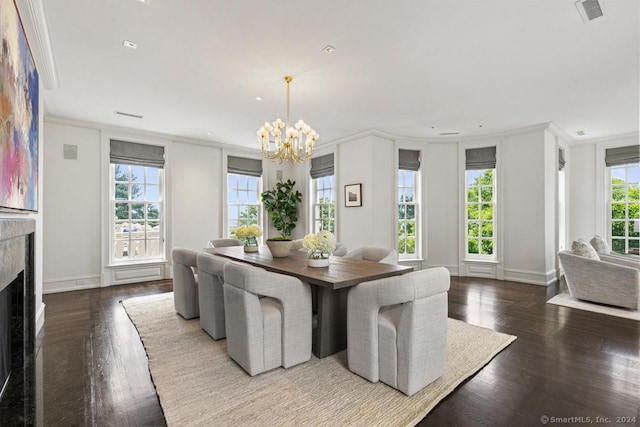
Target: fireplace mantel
{"type": "Point", "coordinates": [12, 247]}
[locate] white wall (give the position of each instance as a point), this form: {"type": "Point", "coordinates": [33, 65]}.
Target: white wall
{"type": "Point", "coordinates": [582, 194]}
{"type": "Point", "coordinates": [197, 179]}
{"type": "Point", "coordinates": [440, 165]}
{"type": "Point", "coordinates": [73, 204]}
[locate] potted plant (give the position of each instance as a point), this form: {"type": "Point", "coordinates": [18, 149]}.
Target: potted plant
{"type": "Point", "coordinates": [319, 246]}
{"type": "Point", "coordinates": [249, 234]}
{"type": "Point", "coordinates": [282, 205]}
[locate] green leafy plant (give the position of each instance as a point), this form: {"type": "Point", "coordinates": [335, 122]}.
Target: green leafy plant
{"type": "Point", "coordinates": [282, 205]}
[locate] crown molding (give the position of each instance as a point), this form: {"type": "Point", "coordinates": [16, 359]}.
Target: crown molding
{"type": "Point", "coordinates": [34, 21]}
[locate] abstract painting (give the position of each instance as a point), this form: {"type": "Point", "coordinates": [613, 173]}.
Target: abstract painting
{"type": "Point", "coordinates": [18, 115]}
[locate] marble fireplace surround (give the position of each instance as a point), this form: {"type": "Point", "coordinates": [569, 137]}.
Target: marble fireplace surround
{"type": "Point", "coordinates": [17, 406]}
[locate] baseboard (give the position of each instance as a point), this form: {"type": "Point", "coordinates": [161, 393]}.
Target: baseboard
{"type": "Point", "coordinates": [71, 284]}
{"type": "Point", "coordinates": [530, 277]}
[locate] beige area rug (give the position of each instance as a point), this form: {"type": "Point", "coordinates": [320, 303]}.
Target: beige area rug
{"type": "Point", "coordinates": [567, 300]}
{"type": "Point", "coordinates": [199, 385]}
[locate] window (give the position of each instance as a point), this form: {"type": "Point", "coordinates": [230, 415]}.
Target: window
{"type": "Point", "coordinates": [480, 203]}
{"type": "Point", "coordinates": [323, 188]}
{"type": "Point", "coordinates": [137, 208]}
{"type": "Point", "coordinates": [408, 224]}
{"type": "Point", "coordinates": [324, 206]}
{"type": "Point", "coordinates": [244, 185]}
{"type": "Point", "coordinates": [624, 206]}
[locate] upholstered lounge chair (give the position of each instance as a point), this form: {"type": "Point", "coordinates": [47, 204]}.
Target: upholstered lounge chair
{"type": "Point", "coordinates": [383, 255]}
{"type": "Point", "coordinates": [211, 294]}
{"type": "Point", "coordinates": [268, 318]}
{"type": "Point", "coordinates": [604, 279]}
{"type": "Point", "coordinates": [185, 282]}
{"type": "Point", "coordinates": [397, 329]}
{"type": "Point", "coordinates": [221, 243]}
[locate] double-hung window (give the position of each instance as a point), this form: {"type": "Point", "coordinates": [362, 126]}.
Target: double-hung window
{"type": "Point", "coordinates": [408, 191]}
{"type": "Point", "coordinates": [480, 203]}
{"type": "Point", "coordinates": [324, 193]}
{"type": "Point", "coordinates": [137, 202]}
{"type": "Point", "coordinates": [244, 185]}
{"type": "Point", "coordinates": [623, 164]}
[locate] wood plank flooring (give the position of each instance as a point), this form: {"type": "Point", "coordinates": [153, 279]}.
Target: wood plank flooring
{"type": "Point", "coordinates": [569, 365]}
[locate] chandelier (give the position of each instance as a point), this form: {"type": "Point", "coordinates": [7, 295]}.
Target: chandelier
{"type": "Point", "coordinates": [298, 142]}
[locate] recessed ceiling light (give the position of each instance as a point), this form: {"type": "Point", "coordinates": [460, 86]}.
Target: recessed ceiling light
{"type": "Point", "coordinates": [581, 133]}
{"type": "Point", "coordinates": [328, 49]}
{"type": "Point", "coordinates": [209, 133]}
{"type": "Point", "coordinates": [480, 126]}
{"type": "Point", "coordinates": [147, 2]}
{"type": "Point", "coordinates": [258, 98]}
{"type": "Point", "coordinates": [129, 44]}
{"type": "Point", "coordinates": [120, 113]}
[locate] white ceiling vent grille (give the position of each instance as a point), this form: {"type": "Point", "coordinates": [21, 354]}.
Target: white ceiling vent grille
{"type": "Point", "coordinates": [589, 10]}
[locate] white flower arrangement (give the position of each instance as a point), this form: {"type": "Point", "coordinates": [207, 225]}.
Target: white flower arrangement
{"type": "Point", "coordinates": [248, 234]}
{"type": "Point", "coordinates": [319, 245]}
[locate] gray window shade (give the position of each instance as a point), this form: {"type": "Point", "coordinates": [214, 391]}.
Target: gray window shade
{"type": "Point", "coordinates": [481, 158]}
{"type": "Point", "coordinates": [561, 161]}
{"type": "Point", "coordinates": [409, 160]}
{"type": "Point", "coordinates": [622, 155]}
{"type": "Point", "coordinates": [132, 153]}
{"type": "Point", "coordinates": [322, 166]}
{"type": "Point", "coordinates": [244, 166]}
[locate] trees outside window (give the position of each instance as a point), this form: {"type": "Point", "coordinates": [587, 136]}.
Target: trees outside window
{"type": "Point", "coordinates": [243, 201]}
{"type": "Point", "coordinates": [624, 206]}
{"type": "Point", "coordinates": [324, 204]}
{"type": "Point", "coordinates": [137, 209]}
{"type": "Point", "coordinates": [480, 212]}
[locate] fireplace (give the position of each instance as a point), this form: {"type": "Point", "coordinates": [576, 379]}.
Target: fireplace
{"type": "Point", "coordinates": [17, 322]}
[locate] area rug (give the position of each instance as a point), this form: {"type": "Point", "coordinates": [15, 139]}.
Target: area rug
{"type": "Point", "coordinates": [567, 300]}
{"type": "Point", "coordinates": [199, 385]}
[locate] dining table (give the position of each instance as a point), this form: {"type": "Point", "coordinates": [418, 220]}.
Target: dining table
{"type": "Point", "coordinates": [330, 286]}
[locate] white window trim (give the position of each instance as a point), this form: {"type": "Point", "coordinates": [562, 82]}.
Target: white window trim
{"type": "Point", "coordinates": [226, 204]}
{"type": "Point", "coordinates": [421, 211]}
{"type": "Point", "coordinates": [418, 216]}
{"type": "Point", "coordinates": [481, 257]}
{"type": "Point", "coordinates": [313, 204]}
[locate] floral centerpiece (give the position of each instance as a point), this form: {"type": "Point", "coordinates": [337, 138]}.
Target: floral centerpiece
{"type": "Point", "coordinates": [249, 234]}
{"type": "Point", "coordinates": [319, 245]}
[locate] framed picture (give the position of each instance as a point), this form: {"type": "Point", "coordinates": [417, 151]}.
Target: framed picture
{"type": "Point", "coordinates": [19, 115]}
{"type": "Point", "coordinates": [353, 195]}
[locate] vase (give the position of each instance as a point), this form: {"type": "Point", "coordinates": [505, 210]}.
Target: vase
{"type": "Point", "coordinates": [279, 248]}
{"type": "Point", "coordinates": [318, 262]}
{"type": "Point", "coordinates": [251, 248]}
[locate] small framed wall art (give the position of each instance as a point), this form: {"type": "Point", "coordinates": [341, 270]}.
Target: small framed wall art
{"type": "Point", "coordinates": [353, 195]}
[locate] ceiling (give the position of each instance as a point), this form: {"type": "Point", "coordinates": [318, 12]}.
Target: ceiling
{"type": "Point", "coordinates": [408, 68]}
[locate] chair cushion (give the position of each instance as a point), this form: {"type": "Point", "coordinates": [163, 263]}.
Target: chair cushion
{"type": "Point", "coordinates": [600, 245]}
{"type": "Point", "coordinates": [584, 249]}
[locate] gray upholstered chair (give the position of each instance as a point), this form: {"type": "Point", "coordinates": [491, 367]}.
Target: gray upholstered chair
{"type": "Point", "coordinates": [211, 294]}
{"type": "Point", "coordinates": [605, 279]}
{"type": "Point", "coordinates": [185, 282]}
{"type": "Point", "coordinates": [268, 318]}
{"type": "Point", "coordinates": [340, 250]}
{"type": "Point", "coordinates": [221, 243]}
{"type": "Point", "coordinates": [383, 255]}
{"type": "Point", "coordinates": [397, 329]}
{"type": "Point", "coordinates": [601, 246]}
{"type": "Point", "coordinates": [297, 245]}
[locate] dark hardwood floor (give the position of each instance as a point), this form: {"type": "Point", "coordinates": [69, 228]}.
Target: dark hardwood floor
{"type": "Point", "coordinates": [572, 366]}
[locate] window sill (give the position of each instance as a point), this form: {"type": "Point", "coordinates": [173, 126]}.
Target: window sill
{"type": "Point", "coordinates": [410, 260]}
{"type": "Point", "coordinates": [124, 264]}
{"type": "Point", "coordinates": [481, 261]}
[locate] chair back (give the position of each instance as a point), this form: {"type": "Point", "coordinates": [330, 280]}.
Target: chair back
{"type": "Point", "coordinates": [375, 254]}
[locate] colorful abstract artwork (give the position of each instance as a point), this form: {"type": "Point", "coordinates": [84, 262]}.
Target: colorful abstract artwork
{"type": "Point", "coordinates": [18, 115]}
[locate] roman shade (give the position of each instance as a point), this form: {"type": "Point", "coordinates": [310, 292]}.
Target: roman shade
{"type": "Point", "coordinates": [133, 153]}
{"type": "Point", "coordinates": [409, 160]}
{"type": "Point", "coordinates": [481, 158]}
{"type": "Point", "coordinates": [561, 161]}
{"type": "Point", "coordinates": [322, 166]}
{"type": "Point", "coordinates": [622, 155]}
{"type": "Point", "coordinates": [244, 166]}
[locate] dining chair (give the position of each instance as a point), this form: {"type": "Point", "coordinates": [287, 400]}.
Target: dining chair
{"type": "Point", "coordinates": [221, 243]}
{"type": "Point", "coordinates": [340, 250]}
{"type": "Point", "coordinates": [397, 329]}
{"type": "Point", "coordinates": [297, 245]}
{"type": "Point", "coordinates": [383, 255]}
{"type": "Point", "coordinates": [211, 294]}
{"type": "Point", "coordinates": [268, 318]}
{"type": "Point", "coordinates": [185, 282]}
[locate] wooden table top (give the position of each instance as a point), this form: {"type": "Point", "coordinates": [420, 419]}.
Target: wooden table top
{"type": "Point", "coordinates": [341, 273]}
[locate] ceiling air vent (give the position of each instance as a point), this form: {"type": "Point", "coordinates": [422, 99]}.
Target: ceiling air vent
{"type": "Point", "coordinates": [136, 116]}
{"type": "Point", "coordinates": [589, 10]}
{"type": "Point", "coordinates": [449, 133]}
